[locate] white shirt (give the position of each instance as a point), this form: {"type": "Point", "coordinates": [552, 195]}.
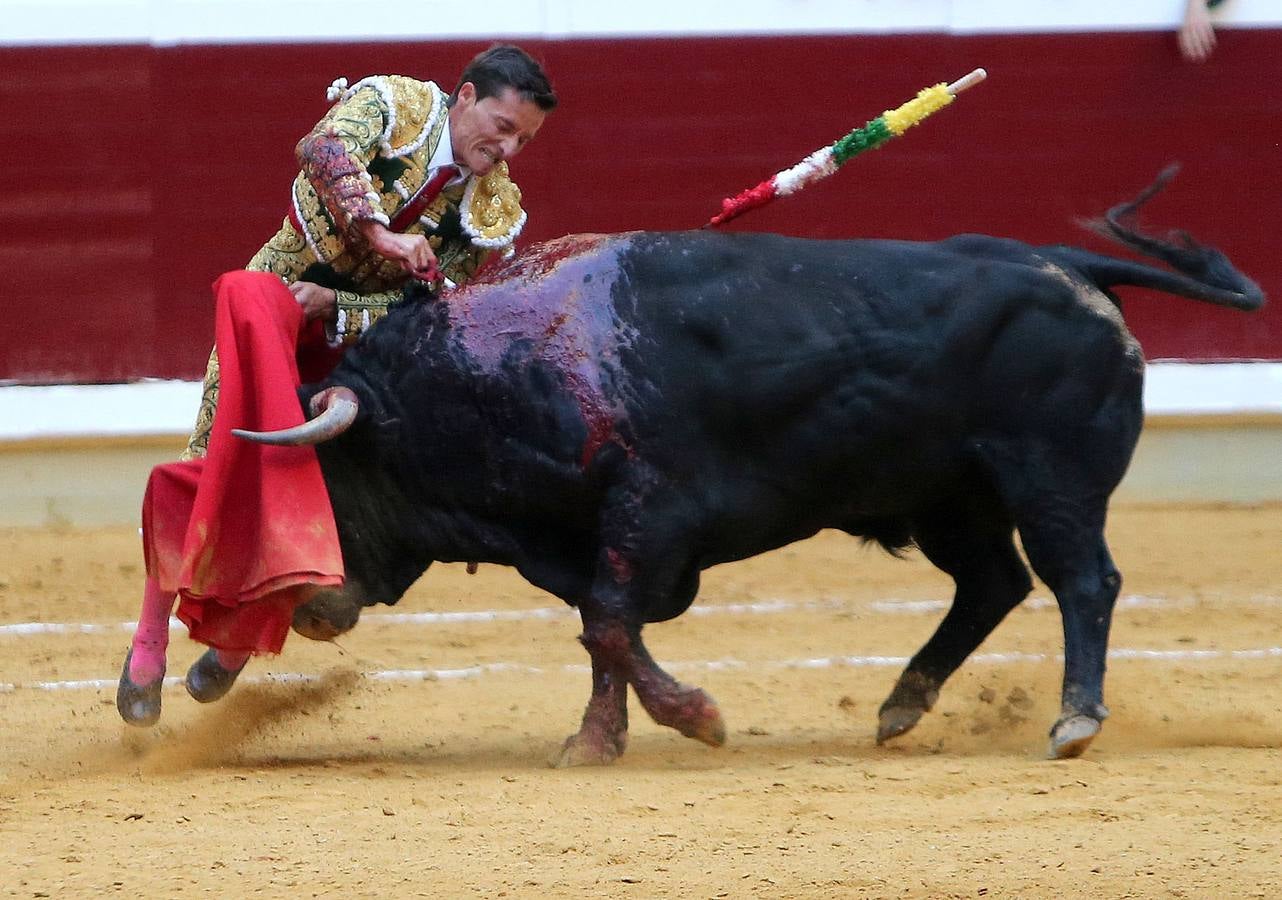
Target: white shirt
{"type": "Point", "coordinates": [444, 156]}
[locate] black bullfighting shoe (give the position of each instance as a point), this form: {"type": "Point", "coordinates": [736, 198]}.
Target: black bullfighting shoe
{"type": "Point", "coordinates": [207, 680]}
{"type": "Point", "coordinates": [139, 704]}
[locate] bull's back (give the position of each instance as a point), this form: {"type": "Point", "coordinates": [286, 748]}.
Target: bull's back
{"type": "Point", "coordinates": [746, 336]}
{"type": "Point", "coordinates": [761, 345]}
{"type": "Point", "coordinates": [777, 319]}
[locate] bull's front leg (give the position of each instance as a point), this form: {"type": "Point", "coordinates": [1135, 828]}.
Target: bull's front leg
{"type": "Point", "coordinates": [638, 567]}
{"type": "Point", "coordinates": [686, 708]}
{"type": "Point", "coordinates": [603, 734]}
{"type": "Point", "coordinates": [619, 658]}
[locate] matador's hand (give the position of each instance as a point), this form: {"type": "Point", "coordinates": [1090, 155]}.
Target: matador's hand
{"type": "Point", "coordinates": [1197, 35]}
{"type": "Point", "coordinates": [411, 250]}
{"type": "Point", "coordinates": [317, 302]}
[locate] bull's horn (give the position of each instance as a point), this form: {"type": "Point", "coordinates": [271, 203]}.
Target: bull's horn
{"type": "Point", "coordinates": [335, 409]}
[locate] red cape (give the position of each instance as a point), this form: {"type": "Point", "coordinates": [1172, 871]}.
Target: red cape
{"type": "Point", "coordinates": [243, 535]}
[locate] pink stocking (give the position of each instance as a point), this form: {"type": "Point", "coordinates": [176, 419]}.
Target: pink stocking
{"type": "Point", "coordinates": [151, 640]}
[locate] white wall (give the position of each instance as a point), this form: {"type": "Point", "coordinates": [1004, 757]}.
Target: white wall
{"type": "Point", "coordinates": [165, 22]}
{"type": "Point", "coordinates": [168, 408]}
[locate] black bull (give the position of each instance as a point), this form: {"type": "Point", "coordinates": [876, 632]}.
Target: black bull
{"type": "Point", "coordinates": [612, 414]}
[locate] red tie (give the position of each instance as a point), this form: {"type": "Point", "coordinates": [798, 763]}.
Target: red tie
{"type": "Point", "coordinates": [426, 194]}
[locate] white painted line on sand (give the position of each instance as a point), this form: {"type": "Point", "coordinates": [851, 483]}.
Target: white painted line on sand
{"type": "Point", "coordinates": [554, 613]}
{"type": "Point", "coordinates": [712, 665]}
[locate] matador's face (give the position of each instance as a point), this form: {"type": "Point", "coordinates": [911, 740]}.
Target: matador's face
{"type": "Point", "coordinates": [486, 132]}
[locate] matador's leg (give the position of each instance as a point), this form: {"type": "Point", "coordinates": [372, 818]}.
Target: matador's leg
{"type": "Point", "coordinates": [138, 693]}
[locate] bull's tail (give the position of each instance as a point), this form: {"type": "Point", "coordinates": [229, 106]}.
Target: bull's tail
{"type": "Point", "coordinates": [1202, 273]}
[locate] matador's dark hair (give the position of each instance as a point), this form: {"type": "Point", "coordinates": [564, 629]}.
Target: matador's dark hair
{"type": "Point", "coordinates": [507, 66]}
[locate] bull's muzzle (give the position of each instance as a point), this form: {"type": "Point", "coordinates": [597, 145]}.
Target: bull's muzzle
{"type": "Point", "coordinates": [326, 616]}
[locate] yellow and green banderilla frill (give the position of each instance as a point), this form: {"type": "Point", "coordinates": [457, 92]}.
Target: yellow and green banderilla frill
{"type": "Point", "coordinates": [827, 160]}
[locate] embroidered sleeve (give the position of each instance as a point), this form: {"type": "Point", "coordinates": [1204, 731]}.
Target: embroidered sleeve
{"type": "Point", "coordinates": [357, 312]}
{"type": "Point", "coordinates": [336, 155]}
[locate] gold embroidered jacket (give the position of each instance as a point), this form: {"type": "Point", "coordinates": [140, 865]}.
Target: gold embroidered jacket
{"type": "Point", "coordinates": [363, 162]}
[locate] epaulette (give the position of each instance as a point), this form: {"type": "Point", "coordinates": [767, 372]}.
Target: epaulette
{"type": "Point", "coordinates": [491, 213]}
{"type": "Point", "coordinates": [415, 109]}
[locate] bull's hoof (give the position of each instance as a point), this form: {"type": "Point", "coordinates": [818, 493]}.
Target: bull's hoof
{"type": "Point", "coordinates": [687, 709]}
{"type": "Point", "coordinates": [589, 750]}
{"type": "Point", "coordinates": [896, 720]}
{"type": "Point", "coordinates": [913, 696]}
{"type": "Point", "coordinates": [710, 728]}
{"type": "Point", "coordinates": [139, 704]}
{"type": "Point", "coordinates": [1072, 735]}
{"type": "Point", "coordinates": [207, 680]}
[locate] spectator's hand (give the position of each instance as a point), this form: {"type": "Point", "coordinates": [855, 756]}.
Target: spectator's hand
{"type": "Point", "coordinates": [1197, 37]}
{"type": "Point", "coordinates": [411, 250]}
{"type": "Point", "coordinates": [317, 302]}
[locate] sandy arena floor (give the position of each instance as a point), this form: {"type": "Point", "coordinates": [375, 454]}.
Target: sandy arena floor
{"type": "Point", "coordinates": [347, 785]}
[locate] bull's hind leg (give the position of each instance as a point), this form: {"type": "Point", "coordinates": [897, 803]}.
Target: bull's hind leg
{"type": "Point", "coordinates": [1067, 550]}
{"type": "Point", "coordinates": [1059, 505]}
{"type": "Point", "coordinates": [972, 541]}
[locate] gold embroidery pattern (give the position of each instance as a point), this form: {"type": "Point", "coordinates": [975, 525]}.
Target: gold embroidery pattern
{"type": "Point", "coordinates": [198, 443]}
{"type": "Point", "coordinates": [416, 168]}
{"type": "Point", "coordinates": [357, 313]}
{"type": "Point", "coordinates": [321, 232]}
{"type": "Point", "coordinates": [491, 209]}
{"type": "Point", "coordinates": [286, 254]}
{"type": "Point", "coordinates": [417, 103]}
{"type": "Point", "coordinates": [355, 123]}
{"type": "Point", "coordinates": [459, 264]}
{"type": "Point", "coordinates": [337, 153]}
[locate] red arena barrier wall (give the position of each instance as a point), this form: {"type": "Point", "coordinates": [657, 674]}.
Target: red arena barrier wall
{"type": "Point", "coordinates": [150, 170]}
